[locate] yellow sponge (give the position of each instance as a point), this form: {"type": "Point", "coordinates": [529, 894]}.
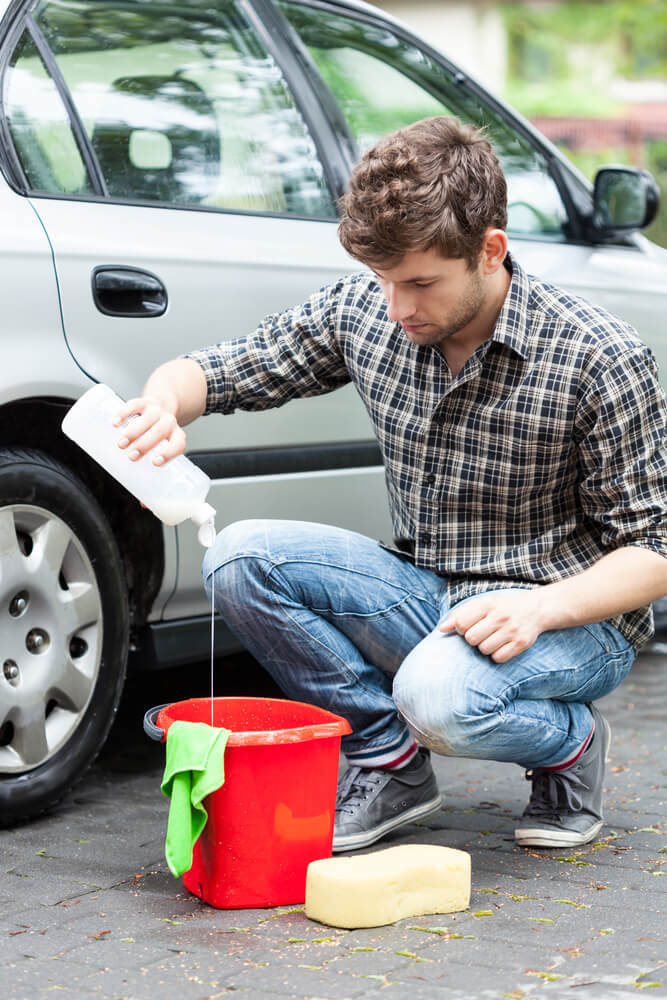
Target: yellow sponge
{"type": "Point", "coordinates": [369, 890]}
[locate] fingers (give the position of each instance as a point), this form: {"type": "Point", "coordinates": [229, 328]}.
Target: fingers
{"type": "Point", "coordinates": [463, 619]}
{"type": "Point", "coordinates": [507, 651]}
{"type": "Point", "coordinates": [145, 425]}
{"type": "Point", "coordinates": [499, 628]}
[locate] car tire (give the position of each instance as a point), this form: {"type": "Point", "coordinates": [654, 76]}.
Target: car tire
{"type": "Point", "coordinates": [64, 631]}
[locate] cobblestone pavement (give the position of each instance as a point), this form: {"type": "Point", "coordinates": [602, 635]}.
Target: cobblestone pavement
{"type": "Point", "coordinates": [89, 908]}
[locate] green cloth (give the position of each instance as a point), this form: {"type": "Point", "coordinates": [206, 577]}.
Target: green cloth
{"type": "Point", "coordinates": [193, 769]}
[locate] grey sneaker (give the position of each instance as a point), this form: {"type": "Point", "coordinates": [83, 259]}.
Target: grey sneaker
{"type": "Point", "coordinates": [565, 808]}
{"type": "Point", "coordinates": [370, 803]}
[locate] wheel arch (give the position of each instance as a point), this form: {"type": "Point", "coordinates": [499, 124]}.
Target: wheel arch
{"type": "Point", "coordinates": [35, 423]}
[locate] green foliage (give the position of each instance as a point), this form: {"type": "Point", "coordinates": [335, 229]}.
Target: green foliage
{"type": "Point", "coordinates": [561, 97]}
{"type": "Point", "coordinates": [631, 31]}
{"type": "Point", "coordinates": [657, 164]}
{"type": "Point", "coordinates": [555, 54]}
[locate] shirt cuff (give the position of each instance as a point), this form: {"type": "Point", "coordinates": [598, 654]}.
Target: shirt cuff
{"type": "Point", "coordinates": [220, 393]}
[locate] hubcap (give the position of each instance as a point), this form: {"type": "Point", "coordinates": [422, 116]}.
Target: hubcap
{"type": "Point", "coordinates": [50, 635]}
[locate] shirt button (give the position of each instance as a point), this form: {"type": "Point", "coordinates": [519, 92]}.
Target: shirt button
{"type": "Point", "coordinates": [425, 538]}
{"type": "Point", "coordinates": [430, 479]}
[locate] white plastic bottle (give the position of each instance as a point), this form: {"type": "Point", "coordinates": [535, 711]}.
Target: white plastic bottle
{"type": "Point", "coordinates": [174, 491]}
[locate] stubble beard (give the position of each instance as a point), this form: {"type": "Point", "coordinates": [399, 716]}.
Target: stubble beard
{"type": "Point", "coordinates": [466, 311]}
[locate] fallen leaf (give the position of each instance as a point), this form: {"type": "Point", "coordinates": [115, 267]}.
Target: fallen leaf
{"type": "Point", "coordinates": [415, 927]}
{"type": "Point", "coordinates": [574, 952]}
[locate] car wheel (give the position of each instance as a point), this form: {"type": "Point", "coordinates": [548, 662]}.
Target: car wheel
{"type": "Point", "coordinates": [64, 628]}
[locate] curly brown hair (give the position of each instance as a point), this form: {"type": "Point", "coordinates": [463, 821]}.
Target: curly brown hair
{"type": "Point", "coordinates": [436, 183]}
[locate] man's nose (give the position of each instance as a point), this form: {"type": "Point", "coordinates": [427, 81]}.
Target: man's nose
{"type": "Point", "coordinates": [399, 303]}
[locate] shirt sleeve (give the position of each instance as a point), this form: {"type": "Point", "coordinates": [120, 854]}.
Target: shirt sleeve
{"type": "Point", "coordinates": [290, 355]}
{"type": "Point", "coordinates": [622, 452]}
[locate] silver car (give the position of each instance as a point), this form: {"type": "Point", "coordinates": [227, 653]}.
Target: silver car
{"type": "Point", "coordinates": [170, 175]}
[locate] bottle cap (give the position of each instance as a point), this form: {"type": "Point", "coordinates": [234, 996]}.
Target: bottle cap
{"type": "Point", "coordinates": [204, 517]}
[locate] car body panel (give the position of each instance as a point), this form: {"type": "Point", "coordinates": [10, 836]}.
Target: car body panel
{"type": "Point", "coordinates": [631, 282]}
{"type": "Point", "coordinates": [31, 309]}
{"type": "Point", "coordinates": [223, 272]}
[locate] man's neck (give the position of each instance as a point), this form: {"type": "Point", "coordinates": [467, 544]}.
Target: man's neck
{"type": "Point", "coordinates": [462, 345]}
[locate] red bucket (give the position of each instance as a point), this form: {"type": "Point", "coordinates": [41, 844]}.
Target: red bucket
{"type": "Point", "coordinates": [274, 814]}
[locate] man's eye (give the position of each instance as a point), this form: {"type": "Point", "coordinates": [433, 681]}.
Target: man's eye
{"type": "Point", "coordinates": [423, 284]}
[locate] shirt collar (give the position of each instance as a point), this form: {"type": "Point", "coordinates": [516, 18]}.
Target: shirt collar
{"type": "Point", "coordinates": [511, 326]}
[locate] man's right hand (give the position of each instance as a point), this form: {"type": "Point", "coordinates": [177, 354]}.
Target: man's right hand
{"type": "Point", "coordinates": [174, 396]}
{"type": "Point", "coordinates": [151, 424]}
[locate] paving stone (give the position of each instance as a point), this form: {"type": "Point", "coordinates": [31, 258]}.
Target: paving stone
{"type": "Point", "coordinates": [31, 978]}
{"type": "Point", "coordinates": [313, 982]}
{"type": "Point", "coordinates": [100, 915]}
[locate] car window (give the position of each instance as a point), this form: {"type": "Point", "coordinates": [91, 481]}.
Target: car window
{"type": "Point", "coordinates": [184, 105]}
{"type": "Point", "coordinates": [382, 82]}
{"type": "Point", "coordinates": [40, 127]}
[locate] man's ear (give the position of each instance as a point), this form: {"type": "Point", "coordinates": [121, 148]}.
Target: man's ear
{"type": "Point", "coordinates": [494, 250]}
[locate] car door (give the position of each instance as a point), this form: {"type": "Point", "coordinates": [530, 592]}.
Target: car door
{"type": "Point", "coordinates": [202, 203]}
{"type": "Point", "coordinates": [382, 78]}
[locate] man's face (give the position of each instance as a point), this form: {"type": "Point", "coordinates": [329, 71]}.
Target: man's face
{"type": "Point", "coordinates": [432, 297]}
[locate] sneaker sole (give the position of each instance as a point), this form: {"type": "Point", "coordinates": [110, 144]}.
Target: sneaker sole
{"type": "Point", "coordinates": [353, 841]}
{"type": "Point", "coordinates": [539, 837]}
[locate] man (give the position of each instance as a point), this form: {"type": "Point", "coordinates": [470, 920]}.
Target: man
{"type": "Point", "coordinates": [522, 432]}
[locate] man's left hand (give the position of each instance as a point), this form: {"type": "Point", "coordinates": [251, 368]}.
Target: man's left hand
{"type": "Point", "coordinates": [500, 625]}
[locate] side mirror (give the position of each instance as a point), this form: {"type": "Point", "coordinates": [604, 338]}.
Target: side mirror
{"type": "Point", "coordinates": [624, 199]}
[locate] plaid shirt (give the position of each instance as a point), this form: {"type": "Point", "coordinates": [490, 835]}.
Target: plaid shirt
{"type": "Point", "coordinates": [544, 453]}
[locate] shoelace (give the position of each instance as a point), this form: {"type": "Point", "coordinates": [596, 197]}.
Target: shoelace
{"type": "Point", "coordinates": [355, 785]}
{"type": "Point", "coordinates": [553, 788]}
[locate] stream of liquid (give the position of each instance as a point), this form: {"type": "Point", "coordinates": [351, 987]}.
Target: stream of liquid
{"type": "Point", "coordinates": [212, 631]}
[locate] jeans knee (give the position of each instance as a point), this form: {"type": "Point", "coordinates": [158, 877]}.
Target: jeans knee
{"type": "Point", "coordinates": [444, 713]}
{"type": "Point", "coordinates": [455, 732]}
{"type": "Point", "coordinates": [233, 558]}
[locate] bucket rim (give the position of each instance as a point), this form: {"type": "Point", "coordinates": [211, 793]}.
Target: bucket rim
{"type": "Point", "coordinates": [331, 724]}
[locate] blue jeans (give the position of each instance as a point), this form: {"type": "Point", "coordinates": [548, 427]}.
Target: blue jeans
{"type": "Point", "coordinates": [339, 622]}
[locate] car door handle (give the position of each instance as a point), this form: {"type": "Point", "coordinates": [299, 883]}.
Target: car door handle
{"type": "Point", "coordinates": [128, 291]}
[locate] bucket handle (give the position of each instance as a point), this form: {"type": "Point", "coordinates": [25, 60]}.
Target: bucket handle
{"type": "Point", "coordinates": [150, 719]}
